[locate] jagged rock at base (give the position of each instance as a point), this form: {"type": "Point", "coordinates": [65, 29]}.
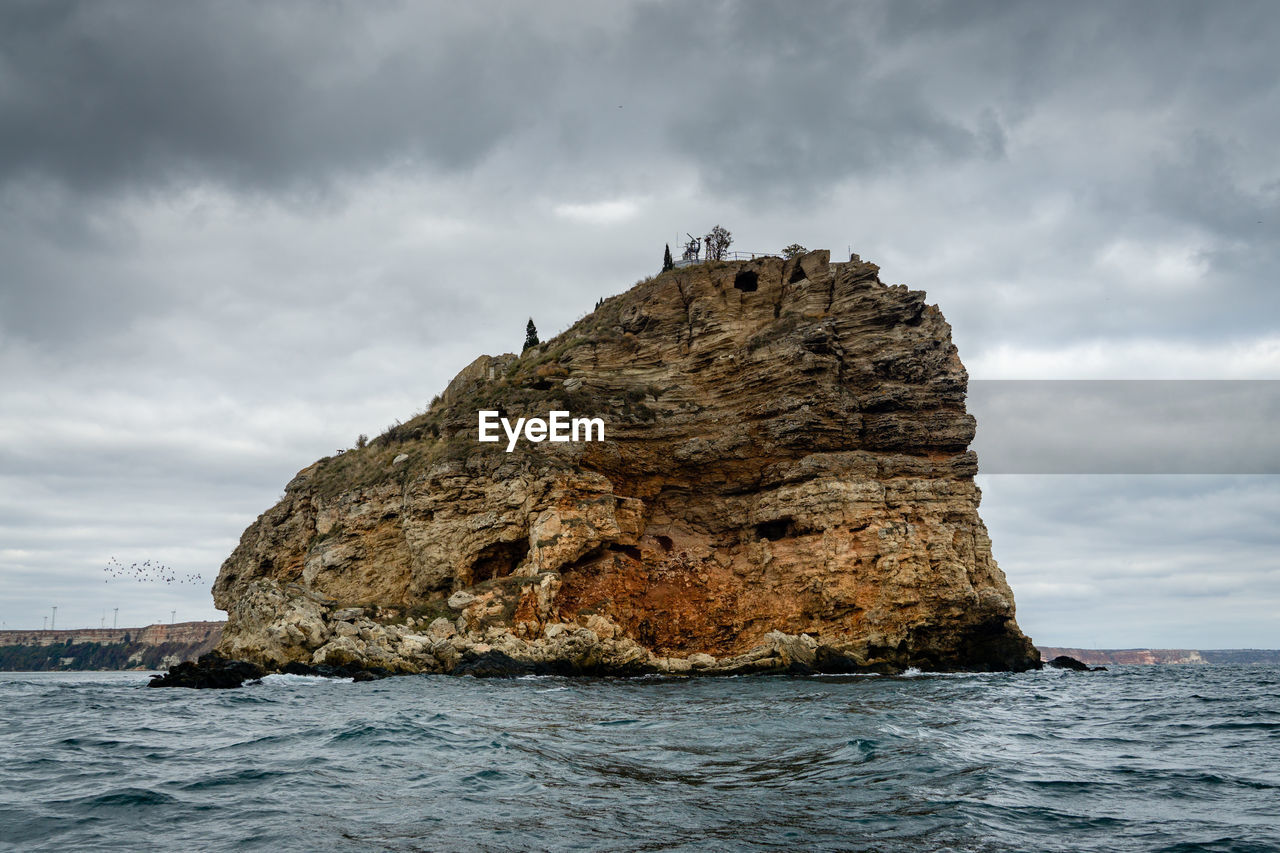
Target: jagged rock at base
{"type": "Point", "coordinates": [785, 485]}
{"type": "Point", "coordinates": [352, 671]}
{"type": "Point", "coordinates": [211, 671]}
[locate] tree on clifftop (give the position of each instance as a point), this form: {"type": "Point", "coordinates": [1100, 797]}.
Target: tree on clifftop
{"type": "Point", "coordinates": [667, 263]}
{"type": "Point", "coordinates": [718, 241]}
{"type": "Point", "coordinates": [530, 335]}
{"type": "Point", "coordinates": [794, 249]}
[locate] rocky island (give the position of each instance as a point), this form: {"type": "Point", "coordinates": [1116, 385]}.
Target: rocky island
{"type": "Point", "coordinates": [784, 485]}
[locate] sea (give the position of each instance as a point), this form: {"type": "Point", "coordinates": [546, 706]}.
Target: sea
{"type": "Point", "coordinates": [1149, 758]}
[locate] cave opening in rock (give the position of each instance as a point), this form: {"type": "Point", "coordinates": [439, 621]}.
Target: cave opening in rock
{"type": "Point", "coordinates": [797, 274]}
{"type": "Point", "coordinates": [747, 281]}
{"type": "Point", "coordinates": [497, 561]}
{"type": "Point", "coordinates": [776, 529]}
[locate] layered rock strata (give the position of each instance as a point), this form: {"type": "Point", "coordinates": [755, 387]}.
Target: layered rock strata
{"type": "Point", "coordinates": [784, 485]}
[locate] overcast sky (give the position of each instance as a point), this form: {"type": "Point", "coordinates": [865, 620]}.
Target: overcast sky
{"type": "Point", "coordinates": [235, 235]}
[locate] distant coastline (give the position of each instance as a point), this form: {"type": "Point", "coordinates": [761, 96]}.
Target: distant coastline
{"type": "Point", "coordinates": [1141, 657]}
{"type": "Point", "coordinates": [149, 648]}
{"type": "Point", "coordinates": [158, 646]}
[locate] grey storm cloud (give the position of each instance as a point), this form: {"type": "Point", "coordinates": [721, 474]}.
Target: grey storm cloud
{"type": "Point", "coordinates": [108, 95]}
{"type": "Point", "coordinates": [236, 235]}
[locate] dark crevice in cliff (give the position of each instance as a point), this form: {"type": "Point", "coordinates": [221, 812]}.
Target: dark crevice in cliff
{"type": "Point", "coordinates": [497, 561]}
{"type": "Point", "coordinates": [776, 529]}
{"type": "Point", "coordinates": [686, 302]}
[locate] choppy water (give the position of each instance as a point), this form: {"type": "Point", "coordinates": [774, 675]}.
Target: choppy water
{"type": "Point", "coordinates": [1140, 758]}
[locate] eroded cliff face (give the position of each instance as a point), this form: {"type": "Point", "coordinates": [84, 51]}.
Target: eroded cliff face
{"type": "Point", "coordinates": [785, 484]}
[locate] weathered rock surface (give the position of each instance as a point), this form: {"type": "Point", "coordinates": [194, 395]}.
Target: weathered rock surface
{"type": "Point", "coordinates": [785, 486]}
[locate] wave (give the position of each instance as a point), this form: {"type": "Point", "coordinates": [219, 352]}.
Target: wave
{"type": "Point", "coordinates": [282, 678]}
{"type": "Point", "coordinates": [964, 761]}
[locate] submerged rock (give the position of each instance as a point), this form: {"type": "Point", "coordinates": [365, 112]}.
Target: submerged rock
{"type": "Point", "coordinates": [355, 673]}
{"type": "Point", "coordinates": [210, 671]}
{"type": "Point", "coordinates": [1068, 662]}
{"type": "Point", "coordinates": [784, 485]}
{"type": "Point", "coordinates": [215, 671]}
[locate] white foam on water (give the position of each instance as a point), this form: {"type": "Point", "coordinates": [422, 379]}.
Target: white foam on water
{"type": "Point", "coordinates": [286, 678]}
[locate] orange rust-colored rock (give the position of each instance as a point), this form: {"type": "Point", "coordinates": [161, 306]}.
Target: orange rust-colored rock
{"type": "Point", "coordinates": [785, 483]}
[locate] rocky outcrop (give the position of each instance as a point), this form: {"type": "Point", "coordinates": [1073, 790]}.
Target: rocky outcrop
{"type": "Point", "coordinates": [784, 485]}
{"type": "Point", "coordinates": [214, 671]}
{"type": "Point", "coordinates": [211, 672]}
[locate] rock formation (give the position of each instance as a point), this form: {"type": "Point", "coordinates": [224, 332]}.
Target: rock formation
{"type": "Point", "coordinates": [784, 485]}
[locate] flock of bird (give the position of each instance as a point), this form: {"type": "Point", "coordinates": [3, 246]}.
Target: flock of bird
{"type": "Point", "coordinates": [147, 571]}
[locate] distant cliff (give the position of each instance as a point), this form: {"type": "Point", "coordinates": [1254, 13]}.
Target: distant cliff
{"type": "Point", "coordinates": [149, 648]}
{"type": "Point", "coordinates": [784, 485]}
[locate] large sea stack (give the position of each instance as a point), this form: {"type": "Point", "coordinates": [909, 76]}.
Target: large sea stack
{"type": "Point", "coordinates": [785, 485]}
